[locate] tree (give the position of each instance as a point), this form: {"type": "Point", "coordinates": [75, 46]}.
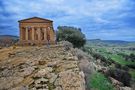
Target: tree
{"type": "Point", "coordinates": [71, 34]}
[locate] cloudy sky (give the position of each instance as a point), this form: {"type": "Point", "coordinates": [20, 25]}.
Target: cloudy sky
{"type": "Point", "coordinates": [98, 19]}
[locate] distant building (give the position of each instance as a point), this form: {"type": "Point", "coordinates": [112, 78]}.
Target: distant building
{"type": "Point", "coordinates": [36, 30]}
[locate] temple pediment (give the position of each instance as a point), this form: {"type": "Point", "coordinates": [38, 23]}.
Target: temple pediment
{"type": "Point", "coordinates": [35, 20]}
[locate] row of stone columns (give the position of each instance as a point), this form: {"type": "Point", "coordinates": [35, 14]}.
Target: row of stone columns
{"type": "Point", "coordinates": [38, 29]}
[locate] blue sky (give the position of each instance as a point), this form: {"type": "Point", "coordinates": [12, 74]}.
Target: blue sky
{"type": "Point", "coordinates": [98, 19]}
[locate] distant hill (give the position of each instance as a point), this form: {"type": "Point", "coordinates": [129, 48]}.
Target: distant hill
{"type": "Point", "coordinates": [109, 42]}
{"type": "Point", "coordinates": [9, 36]}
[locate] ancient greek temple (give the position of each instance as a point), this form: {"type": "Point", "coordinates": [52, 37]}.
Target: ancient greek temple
{"type": "Point", "coordinates": [36, 30]}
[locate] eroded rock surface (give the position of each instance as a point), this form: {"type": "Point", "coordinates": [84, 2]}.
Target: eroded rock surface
{"type": "Point", "coordinates": [39, 68]}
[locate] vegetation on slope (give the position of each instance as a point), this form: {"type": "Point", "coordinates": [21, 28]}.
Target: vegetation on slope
{"type": "Point", "coordinates": [118, 58]}
{"type": "Point", "coordinates": [100, 82]}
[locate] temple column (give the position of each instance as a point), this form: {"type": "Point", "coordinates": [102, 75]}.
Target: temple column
{"type": "Point", "coordinates": [51, 33]}
{"type": "Point", "coordinates": [39, 34]}
{"type": "Point", "coordinates": [33, 33]}
{"type": "Point", "coordinates": [45, 34]}
{"type": "Point", "coordinates": [26, 31]}
{"type": "Point", "coordinates": [21, 36]}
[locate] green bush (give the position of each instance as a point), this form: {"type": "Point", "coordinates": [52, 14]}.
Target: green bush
{"type": "Point", "coordinates": [71, 34]}
{"type": "Point", "coordinates": [120, 75]}
{"type": "Point", "coordinates": [99, 82]}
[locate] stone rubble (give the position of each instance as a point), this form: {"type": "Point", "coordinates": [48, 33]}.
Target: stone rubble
{"type": "Point", "coordinates": [40, 68]}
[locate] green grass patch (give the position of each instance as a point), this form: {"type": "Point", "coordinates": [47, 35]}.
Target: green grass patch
{"type": "Point", "coordinates": [102, 49]}
{"type": "Point", "coordinates": [99, 82]}
{"type": "Point", "coordinates": [121, 60]}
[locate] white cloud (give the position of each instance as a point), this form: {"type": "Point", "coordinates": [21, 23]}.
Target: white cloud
{"type": "Point", "coordinates": [82, 13]}
{"type": "Point", "coordinates": [79, 8]}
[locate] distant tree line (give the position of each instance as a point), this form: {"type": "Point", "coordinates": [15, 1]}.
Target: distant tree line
{"type": "Point", "coordinates": [6, 42]}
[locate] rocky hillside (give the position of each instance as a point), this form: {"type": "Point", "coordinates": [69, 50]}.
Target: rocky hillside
{"type": "Point", "coordinates": [39, 68]}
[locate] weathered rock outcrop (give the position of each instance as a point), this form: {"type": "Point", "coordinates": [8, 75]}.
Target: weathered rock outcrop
{"type": "Point", "coordinates": [40, 68]}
